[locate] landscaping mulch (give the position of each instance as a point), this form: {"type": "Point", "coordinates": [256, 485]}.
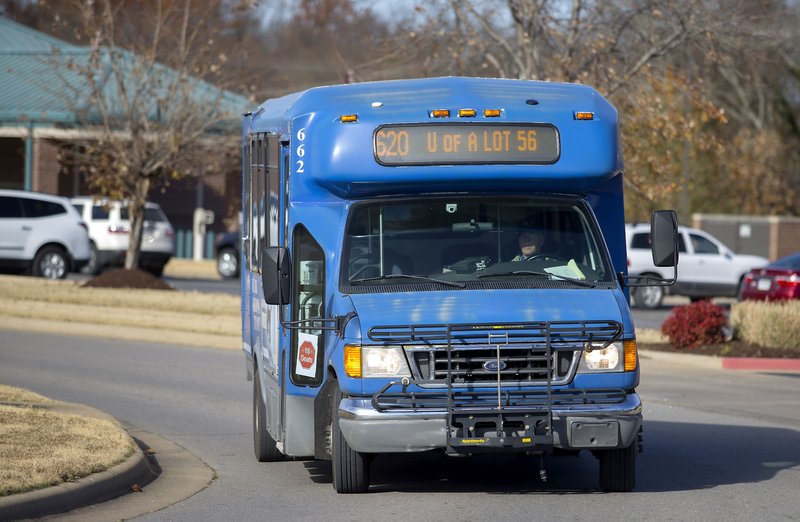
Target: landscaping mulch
{"type": "Point", "coordinates": [122, 278]}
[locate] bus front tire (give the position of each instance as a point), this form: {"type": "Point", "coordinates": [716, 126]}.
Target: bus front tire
{"type": "Point", "coordinates": [350, 468]}
{"type": "Point", "coordinates": [618, 469]}
{"type": "Point", "coordinates": [265, 447]}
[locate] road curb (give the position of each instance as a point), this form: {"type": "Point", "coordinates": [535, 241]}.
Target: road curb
{"type": "Point", "coordinates": [762, 364]}
{"type": "Point", "coordinates": [94, 488]}
{"type": "Point", "coordinates": [724, 363]}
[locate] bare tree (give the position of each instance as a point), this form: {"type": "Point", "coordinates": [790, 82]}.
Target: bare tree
{"type": "Point", "coordinates": [150, 121]}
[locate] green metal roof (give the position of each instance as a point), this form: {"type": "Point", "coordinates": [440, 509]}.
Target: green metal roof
{"type": "Point", "coordinates": [37, 84]}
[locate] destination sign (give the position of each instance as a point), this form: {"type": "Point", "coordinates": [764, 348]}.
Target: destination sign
{"type": "Point", "coordinates": [459, 143]}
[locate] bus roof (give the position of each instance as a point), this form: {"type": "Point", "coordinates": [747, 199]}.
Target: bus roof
{"type": "Point", "coordinates": [341, 157]}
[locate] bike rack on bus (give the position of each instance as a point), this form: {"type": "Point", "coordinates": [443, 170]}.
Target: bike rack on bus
{"type": "Point", "coordinates": [506, 415]}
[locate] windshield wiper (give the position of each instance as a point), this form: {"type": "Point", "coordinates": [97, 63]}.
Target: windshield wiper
{"type": "Point", "coordinates": [579, 282]}
{"type": "Point", "coordinates": [407, 276]}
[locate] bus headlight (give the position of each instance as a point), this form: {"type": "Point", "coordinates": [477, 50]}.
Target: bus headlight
{"type": "Point", "coordinates": [608, 359]}
{"type": "Point", "coordinates": [384, 361]}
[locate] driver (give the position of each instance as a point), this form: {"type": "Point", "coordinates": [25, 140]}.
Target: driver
{"type": "Point", "coordinates": [530, 240]}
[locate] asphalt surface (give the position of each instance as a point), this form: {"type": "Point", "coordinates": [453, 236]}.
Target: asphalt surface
{"type": "Point", "coordinates": [718, 444]}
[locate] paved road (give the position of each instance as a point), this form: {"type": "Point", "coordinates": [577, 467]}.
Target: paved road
{"type": "Point", "coordinates": [713, 450]}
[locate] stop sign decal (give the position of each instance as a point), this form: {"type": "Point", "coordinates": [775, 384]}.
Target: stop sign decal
{"type": "Point", "coordinates": [306, 355]}
{"type": "Point", "coordinates": [306, 362]}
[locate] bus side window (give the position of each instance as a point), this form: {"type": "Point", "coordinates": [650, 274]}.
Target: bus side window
{"type": "Point", "coordinates": [308, 344]}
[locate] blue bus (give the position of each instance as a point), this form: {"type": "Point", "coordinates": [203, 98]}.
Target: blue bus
{"type": "Point", "coordinates": [439, 264]}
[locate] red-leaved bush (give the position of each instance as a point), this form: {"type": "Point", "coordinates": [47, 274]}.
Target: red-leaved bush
{"type": "Point", "coordinates": [701, 322]}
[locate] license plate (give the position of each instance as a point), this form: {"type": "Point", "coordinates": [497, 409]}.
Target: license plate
{"type": "Point", "coordinates": [764, 284]}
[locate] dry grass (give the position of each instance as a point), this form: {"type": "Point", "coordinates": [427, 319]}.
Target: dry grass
{"type": "Point", "coordinates": [192, 318]}
{"type": "Point", "coordinates": [188, 269]}
{"type": "Point", "coordinates": [650, 336]}
{"type": "Point", "coordinates": [40, 448]}
{"type": "Point", "coordinates": [769, 324]}
{"type": "Point", "coordinates": [10, 394]}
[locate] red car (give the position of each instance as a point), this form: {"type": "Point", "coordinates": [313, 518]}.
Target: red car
{"type": "Point", "coordinates": [777, 280]}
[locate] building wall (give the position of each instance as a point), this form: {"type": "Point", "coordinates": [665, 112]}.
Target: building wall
{"type": "Point", "coordinates": [45, 165]}
{"type": "Point", "coordinates": [785, 237]}
{"type": "Point", "coordinates": [769, 236]}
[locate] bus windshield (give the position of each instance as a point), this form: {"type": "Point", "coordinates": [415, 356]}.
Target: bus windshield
{"type": "Point", "coordinates": [471, 242]}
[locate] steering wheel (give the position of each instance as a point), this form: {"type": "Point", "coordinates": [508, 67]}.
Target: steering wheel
{"type": "Point", "coordinates": [362, 270]}
{"type": "Point", "coordinates": [543, 257]}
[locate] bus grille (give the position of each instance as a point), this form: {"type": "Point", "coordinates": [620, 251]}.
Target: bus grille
{"type": "Point", "coordinates": [481, 364]}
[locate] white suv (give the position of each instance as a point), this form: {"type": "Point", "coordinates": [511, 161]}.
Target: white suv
{"type": "Point", "coordinates": [706, 267]}
{"type": "Point", "coordinates": [109, 230]}
{"type": "Point", "coordinates": [41, 234]}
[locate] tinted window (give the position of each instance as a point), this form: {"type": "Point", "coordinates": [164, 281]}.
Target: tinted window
{"type": "Point", "coordinates": [150, 214]}
{"type": "Point", "coordinates": [641, 241]}
{"type": "Point", "coordinates": [99, 212]}
{"type": "Point", "coordinates": [79, 208]}
{"type": "Point", "coordinates": [36, 208]}
{"type": "Point", "coordinates": [791, 262]}
{"type": "Point", "coordinates": [702, 245]}
{"type": "Point", "coordinates": [10, 207]}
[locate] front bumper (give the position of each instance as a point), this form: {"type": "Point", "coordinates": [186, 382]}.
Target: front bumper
{"type": "Point", "coordinates": [583, 426]}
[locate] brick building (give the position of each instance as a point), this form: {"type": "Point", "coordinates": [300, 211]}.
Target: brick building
{"type": "Point", "coordinates": [770, 236]}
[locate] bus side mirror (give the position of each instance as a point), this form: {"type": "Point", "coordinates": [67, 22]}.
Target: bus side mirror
{"type": "Point", "coordinates": [664, 238]}
{"type": "Point", "coordinates": [276, 275]}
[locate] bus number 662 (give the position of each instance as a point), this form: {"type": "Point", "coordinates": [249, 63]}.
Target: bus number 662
{"type": "Point", "coordinates": [301, 150]}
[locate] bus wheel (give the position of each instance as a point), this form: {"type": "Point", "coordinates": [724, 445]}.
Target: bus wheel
{"type": "Point", "coordinates": [618, 469]}
{"type": "Point", "coordinates": [350, 468]}
{"type": "Point", "coordinates": [265, 447]}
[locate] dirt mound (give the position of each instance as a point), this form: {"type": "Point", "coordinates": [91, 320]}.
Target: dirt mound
{"type": "Point", "coordinates": [122, 278]}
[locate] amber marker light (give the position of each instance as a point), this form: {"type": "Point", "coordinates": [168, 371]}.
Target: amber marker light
{"type": "Point", "coordinates": [584, 115]}
{"type": "Point", "coordinates": [630, 355]}
{"type": "Point", "coordinates": [352, 360]}
{"type": "Point", "coordinates": [492, 113]}
{"type": "Point", "coordinates": [467, 113]}
{"type": "Point", "coordinates": [349, 118]}
{"type": "Point", "coordinates": [440, 113]}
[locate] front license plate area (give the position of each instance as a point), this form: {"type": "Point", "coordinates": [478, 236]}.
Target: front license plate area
{"type": "Point", "coordinates": [603, 434]}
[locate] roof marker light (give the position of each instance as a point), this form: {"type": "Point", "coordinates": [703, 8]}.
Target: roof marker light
{"type": "Point", "coordinates": [440, 113]}
{"type": "Point", "coordinates": [492, 113]}
{"type": "Point", "coordinates": [349, 118]}
{"type": "Point", "coordinates": [467, 113]}
{"type": "Point", "coordinates": [584, 115]}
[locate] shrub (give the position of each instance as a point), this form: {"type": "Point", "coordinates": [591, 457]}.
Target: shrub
{"type": "Point", "coordinates": [770, 324]}
{"type": "Point", "coordinates": [699, 323]}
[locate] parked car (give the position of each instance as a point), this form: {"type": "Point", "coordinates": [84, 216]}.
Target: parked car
{"type": "Point", "coordinates": [109, 231]}
{"type": "Point", "coordinates": [228, 254]}
{"type": "Point", "coordinates": [706, 267]}
{"type": "Point", "coordinates": [778, 280]}
{"type": "Point", "coordinates": [41, 234]}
